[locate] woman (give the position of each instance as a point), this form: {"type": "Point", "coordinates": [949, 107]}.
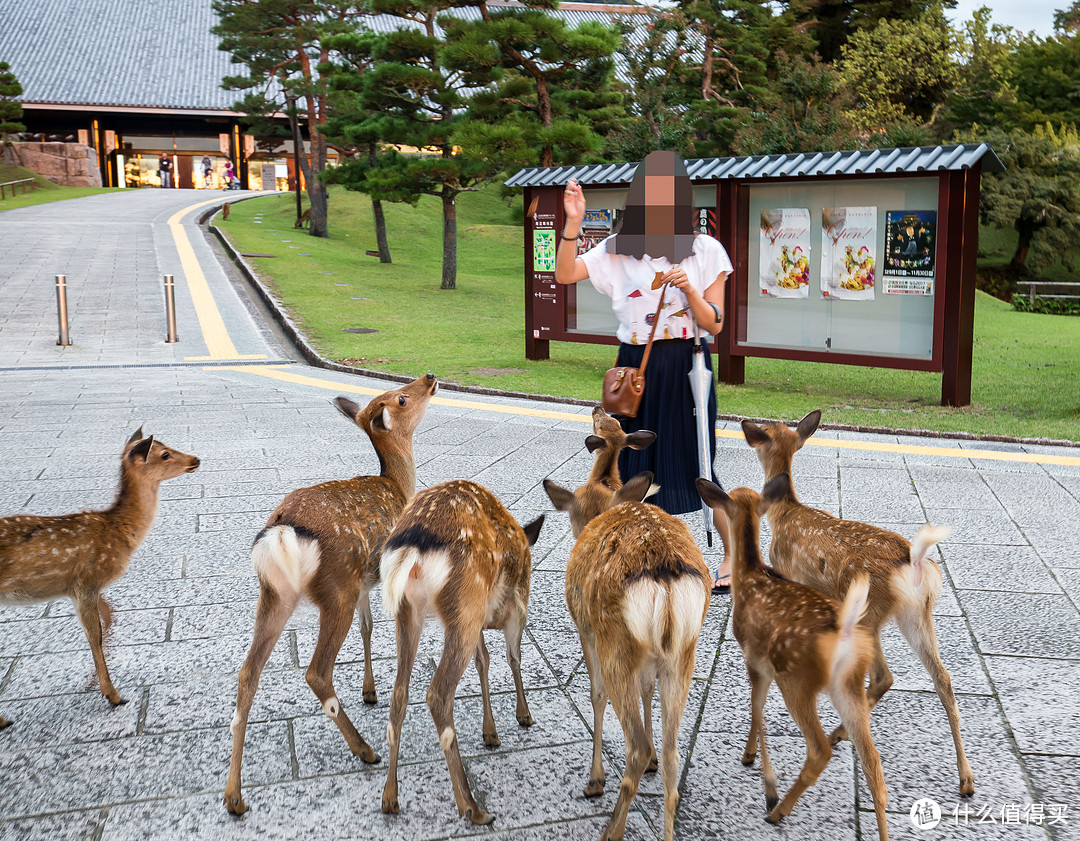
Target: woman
{"type": "Point", "coordinates": [656, 237]}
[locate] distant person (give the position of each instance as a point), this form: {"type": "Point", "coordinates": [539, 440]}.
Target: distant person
{"type": "Point", "coordinates": [165, 169]}
{"type": "Point", "coordinates": [230, 176]}
{"type": "Point", "coordinates": [208, 171]}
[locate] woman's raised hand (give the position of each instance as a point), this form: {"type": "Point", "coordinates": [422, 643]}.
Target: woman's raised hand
{"type": "Point", "coordinates": [574, 203]}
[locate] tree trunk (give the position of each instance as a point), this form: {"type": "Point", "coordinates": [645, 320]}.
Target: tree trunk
{"type": "Point", "coordinates": [316, 191]}
{"type": "Point", "coordinates": [543, 102]}
{"type": "Point", "coordinates": [449, 243]}
{"type": "Point", "coordinates": [380, 219]}
{"type": "Point", "coordinates": [1023, 247]}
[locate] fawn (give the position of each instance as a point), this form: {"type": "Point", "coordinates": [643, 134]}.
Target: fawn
{"type": "Point", "coordinates": [825, 552]}
{"type": "Point", "coordinates": [322, 542]}
{"type": "Point", "coordinates": [805, 641]}
{"type": "Point", "coordinates": [456, 552]}
{"type": "Point", "coordinates": [638, 590]}
{"type": "Point", "coordinates": [79, 555]}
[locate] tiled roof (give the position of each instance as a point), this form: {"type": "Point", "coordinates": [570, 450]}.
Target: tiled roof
{"type": "Point", "coordinates": [908, 160]}
{"type": "Point", "coordinates": [141, 53]}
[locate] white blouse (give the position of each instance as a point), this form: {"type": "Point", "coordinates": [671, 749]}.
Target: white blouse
{"type": "Point", "coordinates": [629, 281]}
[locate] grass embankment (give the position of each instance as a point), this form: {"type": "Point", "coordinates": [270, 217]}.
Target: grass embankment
{"type": "Point", "coordinates": [42, 191]}
{"type": "Point", "coordinates": [1024, 374]}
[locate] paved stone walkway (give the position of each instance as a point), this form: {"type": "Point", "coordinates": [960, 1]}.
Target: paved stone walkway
{"type": "Point", "coordinates": [72, 767]}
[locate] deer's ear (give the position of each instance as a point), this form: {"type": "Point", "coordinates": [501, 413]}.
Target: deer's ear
{"type": "Point", "coordinates": [637, 489]}
{"type": "Point", "coordinates": [594, 443]}
{"type": "Point", "coordinates": [754, 434]}
{"type": "Point", "coordinates": [713, 496]}
{"type": "Point", "coordinates": [808, 425]}
{"type": "Point", "coordinates": [532, 530]}
{"type": "Point", "coordinates": [560, 497]}
{"type": "Point", "coordinates": [641, 439]}
{"type": "Point", "coordinates": [142, 449]}
{"type": "Point", "coordinates": [137, 435]}
{"type": "Point", "coordinates": [347, 408]}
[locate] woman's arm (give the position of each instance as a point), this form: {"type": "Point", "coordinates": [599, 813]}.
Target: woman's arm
{"type": "Point", "coordinates": [569, 268]}
{"type": "Point", "coordinates": [700, 305]}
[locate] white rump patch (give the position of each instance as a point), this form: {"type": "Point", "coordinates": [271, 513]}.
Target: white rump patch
{"type": "Point", "coordinates": [648, 606]}
{"type": "Point", "coordinates": [408, 572]}
{"type": "Point", "coordinates": [283, 561]}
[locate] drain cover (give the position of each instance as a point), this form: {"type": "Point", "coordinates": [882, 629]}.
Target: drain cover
{"type": "Point", "coordinates": [359, 330]}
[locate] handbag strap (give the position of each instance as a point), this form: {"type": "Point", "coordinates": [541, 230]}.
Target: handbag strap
{"type": "Point", "coordinates": [656, 321]}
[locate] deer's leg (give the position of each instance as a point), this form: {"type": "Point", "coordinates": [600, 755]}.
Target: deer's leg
{"type": "Point", "coordinates": [881, 680]}
{"type": "Point", "coordinates": [759, 691]}
{"type": "Point", "coordinates": [648, 688]}
{"type": "Point", "coordinates": [3, 722]}
{"type": "Point", "coordinates": [86, 605]}
{"type": "Point", "coordinates": [106, 614]}
{"type": "Point", "coordinates": [482, 658]}
{"type": "Point", "coordinates": [624, 692]}
{"type": "Point", "coordinates": [513, 631]}
{"type": "Point", "coordinates": [803, 708]}
{"type": "Point", "coordinates": [674, 689]}
{"type": "Point", "coordinates": [270, 617]}
{"type": "Point", "coordinates": [409, 624]}
{"type": "Point", "coordinates": [334, 622]}
{"type": "Point", "coordinates": [921, 635]}
{"type": "Point", "coordinates": [598, 696]}
{"type": "Point", "coordinates": [851, 702]}
{"type": "Point", "coordinates": [363, 615]}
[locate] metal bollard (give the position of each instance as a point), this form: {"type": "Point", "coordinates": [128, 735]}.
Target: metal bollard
{"type": "Point", "coordinates": [170, 309]}
{"type": "Point", "coordinates": [62, 310]}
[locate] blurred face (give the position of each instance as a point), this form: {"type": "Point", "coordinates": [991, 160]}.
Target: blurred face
{"type": "Point", "coordinates": [660, 204]}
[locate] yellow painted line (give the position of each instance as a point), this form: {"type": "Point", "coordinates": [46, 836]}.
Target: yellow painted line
{"type": "Point", "coordinates": [218, 341]}
{"type": "Point", "coordinates": [285, 375]}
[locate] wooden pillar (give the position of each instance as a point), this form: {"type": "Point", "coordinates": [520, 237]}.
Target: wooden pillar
{"type": "Point", "coordinates": [535, 347]}
{"type": "Point", "coordinates": [958, 286]}
{"type": "Point", "coordinates": [730, 368]}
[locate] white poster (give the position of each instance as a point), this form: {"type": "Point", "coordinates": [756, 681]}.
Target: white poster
{"type": "Point", "coordinates": [848, 253]}
{"type": "Point", "coordinates": [785, 252]}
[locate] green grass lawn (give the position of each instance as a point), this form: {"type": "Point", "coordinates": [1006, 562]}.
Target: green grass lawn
{"type": "Point", "coordinates": [43, 191]}
{"type": "Point", "coordinates": [1024, 376]}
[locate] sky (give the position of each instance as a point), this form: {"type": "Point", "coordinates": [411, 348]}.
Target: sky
{"type": "Point", "coordinates": [1025, 15]}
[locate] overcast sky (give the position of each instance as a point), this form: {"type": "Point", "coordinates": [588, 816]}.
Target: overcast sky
{"type": "Point", "coordinates": [1025, 15]}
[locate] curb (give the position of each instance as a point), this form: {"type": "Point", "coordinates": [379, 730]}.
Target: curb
{"type": "Point", "coordinates": [313, 358]}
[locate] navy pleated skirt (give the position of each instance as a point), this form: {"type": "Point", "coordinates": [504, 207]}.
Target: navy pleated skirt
{"type": "Point", "coordinates": [667, 408]}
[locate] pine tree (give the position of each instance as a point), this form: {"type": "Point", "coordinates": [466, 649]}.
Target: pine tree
{"type": "Point", "coordinates": [10, 110]}
{"type": "Point", "coordinates": [281, 42]}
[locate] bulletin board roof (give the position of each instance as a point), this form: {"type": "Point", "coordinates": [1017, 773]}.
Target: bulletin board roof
{"type": "Point", "coordinates": [908, 160]}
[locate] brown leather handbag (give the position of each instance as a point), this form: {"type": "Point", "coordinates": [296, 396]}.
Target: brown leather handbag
{"type": "Point", "coordinates": [624, 386]}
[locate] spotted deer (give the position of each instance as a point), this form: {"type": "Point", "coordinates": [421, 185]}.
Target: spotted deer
{"type": "Point", "coordinates": [79, 555]}
{"type": "Point", "coordinates": [322, 543]}
{"type": "Point", "coordinates": [456, 552]}
{"type": "Point", "coordinates": [825, 552]}
{"type": "Point", "coordinates": [638, 590]}
{"type": "Point", "coordinates": [807, 642]}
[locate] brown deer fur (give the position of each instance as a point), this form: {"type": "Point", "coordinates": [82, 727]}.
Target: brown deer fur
{"type": "Point", "coordinates": [827, 553]}
{"type": "Point", "coordinates": [322, 542]}
{"type": "Point", "coordinates": [456, 552]}
{"type": "Point", "coordinates": [638, 591]}
{"type": "Point", "coordinates": [805, 641]}
{"type": "Point", "coordinates": [79, 555]}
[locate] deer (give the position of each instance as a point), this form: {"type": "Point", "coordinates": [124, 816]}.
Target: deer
{"type": "Point", "coordinates": [806, 641]}
{"type": "Point", "coordinates": [825, 552]}
{"type": "Point", "coordinates": [322, 543]}
{"type": "Point", "coordinates": [79, 555]}
{"type": "Point", "coordinates": [458, 553]}
{"type": "Point", "coordinates": [638, 590]}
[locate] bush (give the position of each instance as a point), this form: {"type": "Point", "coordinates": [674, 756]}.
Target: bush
{"type": "Point", "coordinates": [1046, 306]}
{"type": "Point", "coordinates": [999, 281]}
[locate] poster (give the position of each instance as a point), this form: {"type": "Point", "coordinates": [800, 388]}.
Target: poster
{"type": "Point", "coordinates": [784, 270]}
{"type": "Point", "coordinates": [595, 228]}
{"type": "Point", "coordinates": [910, 251]}
{"type": "Point", "coordinates": [543, 251]}
{"type": "Point", "coordinates": [848, 253]}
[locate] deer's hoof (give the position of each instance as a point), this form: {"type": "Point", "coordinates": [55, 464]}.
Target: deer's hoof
{"type": "Point", "coordinates": [594, 788]}
{"type": "Point", "coordinates": [369, 756]}
{"type": "Point", "coordinates": [479, 817]}
{"type": "Point", "coordinates": [748, 759]}
{"type": "Point", "coordinates": [525, 720]}
{"type": "Point", "coordinates": [371, 696]}
{"type": "Point", "coordinates": [771, 804]}
{"type": "Point", "coordinates": [235, 804]}
{"type": "Point", "coordinates": [653, 765]}
{"type": "Point", "coordinates": [390, 805]}
{"type": "Point", "coordinates": [116, 700]}
{"type": "Point", "coordinates": [774, 817]}
{"type": "Point", "coordinates": [4, 722]}
{"type": "Point", "coordinates": [492, 740]}
{"type": "Point", "coordinates": [967, 785]}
